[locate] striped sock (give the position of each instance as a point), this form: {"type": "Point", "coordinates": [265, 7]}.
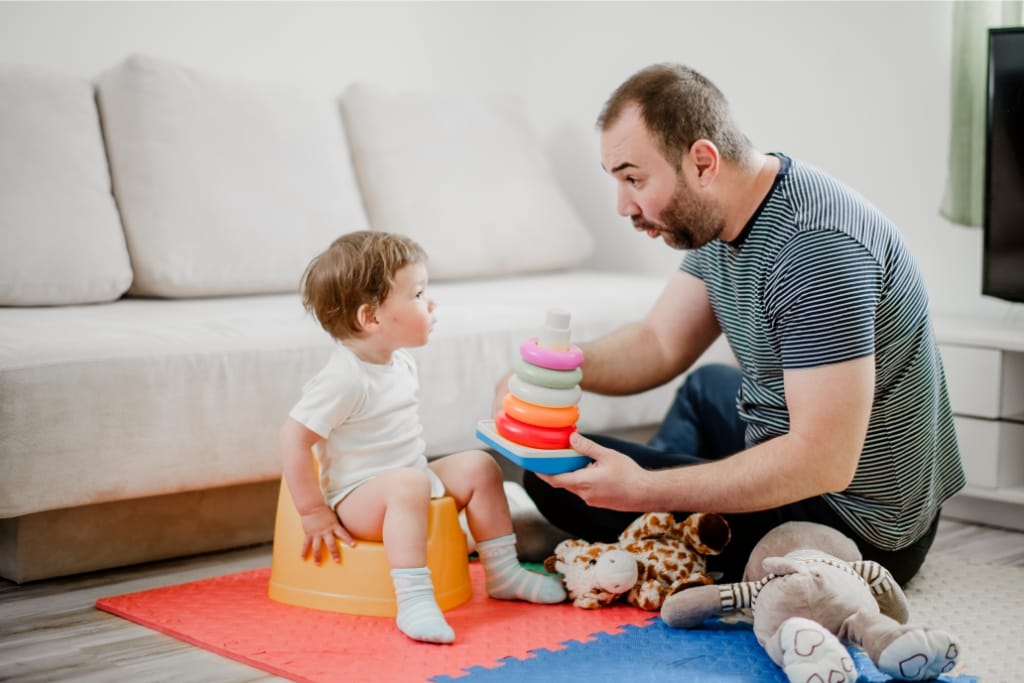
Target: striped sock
{"type": "Point", "coordinates": [506, 578]}
{"type": "Point", "coordinates": [419, 617]}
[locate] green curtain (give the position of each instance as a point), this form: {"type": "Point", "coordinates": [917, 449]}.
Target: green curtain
{"type": "Point", "coordinates": [962, 201]}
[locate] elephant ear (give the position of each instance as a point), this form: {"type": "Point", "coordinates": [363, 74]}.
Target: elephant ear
{"type": "Point", "coordinates": [891, 599]}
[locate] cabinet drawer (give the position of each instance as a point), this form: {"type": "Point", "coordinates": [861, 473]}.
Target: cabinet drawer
{"type": "Point", "coordinates": [992, 452]}
{"type": "Point", "coordinates": [974, 378]}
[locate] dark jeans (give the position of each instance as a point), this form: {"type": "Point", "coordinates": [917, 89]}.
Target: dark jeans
{"type": "Point", "coordinates": [703, 425]}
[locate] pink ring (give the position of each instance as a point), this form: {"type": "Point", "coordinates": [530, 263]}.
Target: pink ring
{"type": "Point", "coordinates": [570, 359]}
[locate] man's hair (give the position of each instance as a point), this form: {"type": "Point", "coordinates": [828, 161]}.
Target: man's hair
{"type": "Point", "coordinates": [678, 106]}
{"type": "Point", "coordinates": [358, 268]}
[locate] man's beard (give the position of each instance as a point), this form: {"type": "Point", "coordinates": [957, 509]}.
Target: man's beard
{"type": "Point", "coordinates": [686, 223]}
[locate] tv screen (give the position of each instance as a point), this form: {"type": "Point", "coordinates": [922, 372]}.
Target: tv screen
{"type": "Point", "coordinates": [1003, 254]}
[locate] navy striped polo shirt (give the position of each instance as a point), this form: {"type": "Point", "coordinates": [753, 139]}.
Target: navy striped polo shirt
{"type": "Point", "coordinates": [820, 276]}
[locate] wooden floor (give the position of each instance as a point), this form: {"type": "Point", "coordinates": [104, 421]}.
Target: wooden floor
{"type": "Point", "coordinates": [50, 630]}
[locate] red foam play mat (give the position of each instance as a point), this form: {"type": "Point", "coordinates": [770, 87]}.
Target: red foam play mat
{"type": "Point", "coordinates": [233, 616]}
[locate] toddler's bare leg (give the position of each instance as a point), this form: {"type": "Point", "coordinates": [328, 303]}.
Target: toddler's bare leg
{"type": "Point", "coordinates": [474, 480]}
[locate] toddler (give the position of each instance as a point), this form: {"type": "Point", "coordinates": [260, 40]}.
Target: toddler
{"type": "Point", "coordinates": [358, 416]}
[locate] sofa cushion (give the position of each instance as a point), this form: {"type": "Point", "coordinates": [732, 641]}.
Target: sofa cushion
{"type": "Point", "coordinates": [61, 235]}
{"type": "Point", "coordinates": [464, 178]}
{"type": "Point", "coordinates": [225, 187]}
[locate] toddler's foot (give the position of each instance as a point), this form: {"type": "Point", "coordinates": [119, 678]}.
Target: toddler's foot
{"type": "Point", "coordinates": [506, 578]}
{"type": "Point", "coordinates": [419, 617]}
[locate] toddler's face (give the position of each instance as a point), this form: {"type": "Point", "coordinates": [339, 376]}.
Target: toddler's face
{"type": "Point", "coordinates": [408, 313]}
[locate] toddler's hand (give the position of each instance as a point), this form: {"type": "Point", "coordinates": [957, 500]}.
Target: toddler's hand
{"type": "Point", "coordinates": [322, 528]}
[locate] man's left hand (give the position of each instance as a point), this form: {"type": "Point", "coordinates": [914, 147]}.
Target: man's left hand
{"type": "Point", "coordinates": [612, 481]}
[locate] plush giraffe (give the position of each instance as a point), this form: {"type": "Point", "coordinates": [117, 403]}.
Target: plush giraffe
{"type": "Point", "coordinates": [654, 557]}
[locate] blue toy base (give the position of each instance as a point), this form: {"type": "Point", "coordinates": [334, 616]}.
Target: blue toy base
{"type": "Point", "coordinates": [533, 459]}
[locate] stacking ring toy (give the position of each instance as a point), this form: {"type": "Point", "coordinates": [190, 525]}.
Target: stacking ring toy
{"type": "Point", "coordinates": [545, 438]}
{"type": "Point", "coordinates": [553, 379]}
{"type": "Point", "coordinates": [539, 415]}
{"type": "Point", "coordinates": [552, 359]}
{"type": "Point", "coordinates": [543, 396]}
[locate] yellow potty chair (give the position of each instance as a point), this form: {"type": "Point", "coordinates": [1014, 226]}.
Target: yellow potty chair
{"type": "Point", "coordinates": [362, 584]}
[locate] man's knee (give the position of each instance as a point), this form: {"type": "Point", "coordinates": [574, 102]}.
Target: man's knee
{"type": "Point", "coordinates": [710, 377]}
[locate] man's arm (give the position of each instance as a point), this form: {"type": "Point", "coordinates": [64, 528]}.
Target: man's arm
{"type": "Point", "coordinates": [829, 411]}
{"type": "Point", "coordinates": [646, 354]}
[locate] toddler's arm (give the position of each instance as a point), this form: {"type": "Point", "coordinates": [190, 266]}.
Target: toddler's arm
{"type": "Point", "coordinates": [320, 524]}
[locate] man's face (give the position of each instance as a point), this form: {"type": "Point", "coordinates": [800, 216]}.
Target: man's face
{"type": "Point", "coordinates": [649, 190]}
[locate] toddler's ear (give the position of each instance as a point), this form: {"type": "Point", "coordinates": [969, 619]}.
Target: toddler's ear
{"type": "Point", "coordinates": [366, 316]}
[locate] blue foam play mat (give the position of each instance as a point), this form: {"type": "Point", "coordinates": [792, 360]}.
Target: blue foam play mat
{"type": "Point", "coordinates": [716, 653]}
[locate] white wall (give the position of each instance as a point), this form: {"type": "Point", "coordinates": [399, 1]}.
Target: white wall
{"type": "Point", "coordinates": [859, 89]}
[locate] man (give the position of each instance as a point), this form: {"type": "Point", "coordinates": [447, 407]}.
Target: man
{"type": "Point", "coordinates": [838, 412]}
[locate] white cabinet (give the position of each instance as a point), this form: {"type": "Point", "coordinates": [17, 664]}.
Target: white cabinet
{"type": "Point", "coordinates": [984, 363]}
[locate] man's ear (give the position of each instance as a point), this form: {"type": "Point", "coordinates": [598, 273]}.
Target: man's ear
{"type": "Point", "coordinates": [706, 158]}
{"type": "Point", "coordinates": [366, 316]}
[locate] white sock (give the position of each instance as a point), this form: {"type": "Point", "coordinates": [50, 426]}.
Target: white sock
{"type": "Point", "coordinates": [419, 617]}
{"type": "Point", "coordinates": [506, 578]}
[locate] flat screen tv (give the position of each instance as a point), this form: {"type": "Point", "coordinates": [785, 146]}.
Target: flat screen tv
{"type": "Point", "coordinates": [1003, 252]}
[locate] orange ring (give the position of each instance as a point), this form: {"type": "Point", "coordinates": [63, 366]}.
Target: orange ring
{"type": "Point", "coordinates": [539, 416]}
{"type": "Point", "coordinates": [544, 438]}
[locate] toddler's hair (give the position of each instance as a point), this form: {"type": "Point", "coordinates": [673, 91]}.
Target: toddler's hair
{"type": "Point", "coordinates": [358, 268]}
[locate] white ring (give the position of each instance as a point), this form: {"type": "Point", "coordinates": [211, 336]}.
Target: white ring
{"type": "Point", "coordinates": [543, 396]}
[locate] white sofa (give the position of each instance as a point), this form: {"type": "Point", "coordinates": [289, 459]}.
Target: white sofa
{"type": "Point", "coordinates": [154, 225]}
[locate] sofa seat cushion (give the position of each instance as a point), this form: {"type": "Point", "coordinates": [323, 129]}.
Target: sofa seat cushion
{"type": "Point", "coordinates": [62, 238]}
{"type": "Point", "coordinates": [142, 397]}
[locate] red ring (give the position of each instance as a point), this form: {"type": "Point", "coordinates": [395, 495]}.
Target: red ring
{"type": "Point", "coordinates": [545, 438]}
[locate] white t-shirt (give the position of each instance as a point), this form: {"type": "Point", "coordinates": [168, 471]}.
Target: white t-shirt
{"type": "Point", "coordinates": [367, 415]}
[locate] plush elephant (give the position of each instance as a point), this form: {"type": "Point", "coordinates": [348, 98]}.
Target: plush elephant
{"type": "Point", "coordinates": [810, 592]}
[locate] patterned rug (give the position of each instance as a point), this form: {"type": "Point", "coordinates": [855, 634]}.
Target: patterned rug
{"type": "Point", "coordinates": [982, 604]}
{"type": "Point", "coordinates": [510, 641]}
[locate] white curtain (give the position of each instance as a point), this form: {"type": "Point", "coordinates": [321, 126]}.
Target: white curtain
{"type": "Point", "coordinates": [962, 201]}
